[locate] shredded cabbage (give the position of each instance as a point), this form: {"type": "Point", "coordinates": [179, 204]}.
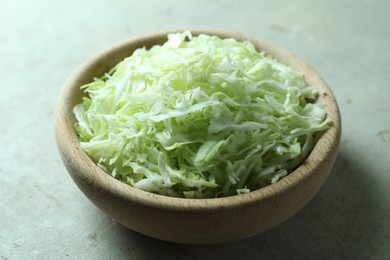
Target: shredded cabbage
{"type": "Point", "coordinates": [199, 117]}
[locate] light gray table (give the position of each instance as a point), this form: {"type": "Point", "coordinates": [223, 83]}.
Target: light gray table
{"type": "Point", "coordinates": [44, 216]}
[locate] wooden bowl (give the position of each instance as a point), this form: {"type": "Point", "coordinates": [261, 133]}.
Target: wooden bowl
{"type": "Point", "coordinates": [193, 221]}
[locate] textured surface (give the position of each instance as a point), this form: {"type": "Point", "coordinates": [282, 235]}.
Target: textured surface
{"type": "Point", "coordinates": [44, 216]}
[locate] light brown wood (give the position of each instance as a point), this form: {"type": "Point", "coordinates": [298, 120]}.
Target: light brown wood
{"type": "Point", "coordinates": [194, 221]}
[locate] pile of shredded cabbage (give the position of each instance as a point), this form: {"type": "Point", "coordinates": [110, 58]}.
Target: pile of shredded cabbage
{"type": "Point", "coordinates": [199, 117]}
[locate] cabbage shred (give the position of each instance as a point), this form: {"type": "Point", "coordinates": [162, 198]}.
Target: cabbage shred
{"type": "Point", "coordinates": [199, 117]}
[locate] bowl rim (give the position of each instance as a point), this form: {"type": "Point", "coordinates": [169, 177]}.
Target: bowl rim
{"type": "Point", "coordinates": [69, 147]}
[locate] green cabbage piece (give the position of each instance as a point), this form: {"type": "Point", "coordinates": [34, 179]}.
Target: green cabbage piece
{"type": "Point", "coordinates": [199, 117]}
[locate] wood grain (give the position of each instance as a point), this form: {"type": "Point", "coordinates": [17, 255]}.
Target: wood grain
{"type": "Point", "coordinates": [194, 221]}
